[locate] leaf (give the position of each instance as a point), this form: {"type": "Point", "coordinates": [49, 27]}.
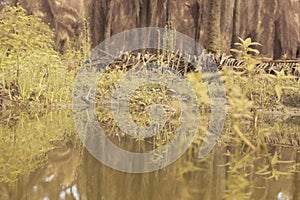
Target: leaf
{"type": "Point", "coordinates": [289, 88]}
{"type": "Point", "coordinates": [255, 44]}
{"type": "Point", "coordinates": [263, 171]}
{"type": "Point", "coordinates": [278, 91]}
{"type": "Point", "coordinates": [247, 42]}
{"type": "Point", "coordinates": [253, 50]}
{"type": "Point", "coordinates": [238, 44]}
{"type": "Point", "coordinates": [237, 130]}
{"type": "Point", "coordinates": [242, 41]}
{"type": "Point", "coordinates": [235, 50]}
{"type": "Point", "coordinates": [274, 160]}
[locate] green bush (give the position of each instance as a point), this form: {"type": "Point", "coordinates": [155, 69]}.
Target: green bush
{"type": "Point", "coordinates": [30, 68]}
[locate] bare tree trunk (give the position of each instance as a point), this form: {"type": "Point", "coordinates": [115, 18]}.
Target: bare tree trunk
{"type": "Point", "coordinates": [277, 46]}
{"type": "Point", "coordinates": [97, 34]}
{"type": "Point", "coordinates": [298, 52]}
{"type": "Point", "coordinates": [223, 16]}
{"type": "Point", "coordinates": [213, 29]}
{"type": "Point", "coordinates": [196, 12]}
{"type": "Point", "coordinates": [100, 20]}
{"type": "Point", "coordinates": [108, 5]}
{"type": "Point", "coordinates": [253, 16]}
{"type": "Point", "coordinates": [145, 13]}
{"type": "Point", "coordinates": [169, 13]}
{"type": "Point", "coordinates": [235, 23]}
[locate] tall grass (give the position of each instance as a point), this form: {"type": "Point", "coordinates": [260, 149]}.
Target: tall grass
{"type": "Point", "coordinates": [30, 68]}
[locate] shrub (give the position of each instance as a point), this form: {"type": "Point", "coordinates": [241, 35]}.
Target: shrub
{"type": "Point", "coordinates": [30, 68]}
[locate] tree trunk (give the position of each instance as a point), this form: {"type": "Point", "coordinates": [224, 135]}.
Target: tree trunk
{"type": "Point", "coordinates": [145, 13]}
{"type": "Point", "coordinates": [298, 52]}
{"type": "Point", "coordinates": [277, 46]}
{"type": "Point", "coordinates": [97, 32]}
{"type": "Point", "coordinates": [235, 23]}
{"type": "Point", "coordinates": [253, 17]}
{"type": "Point", "coordinates": [213, 29]}
{"type": "Point", "coordinates": [196, 16]}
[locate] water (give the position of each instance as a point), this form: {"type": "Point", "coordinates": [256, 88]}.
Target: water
{"type": "Point", "coordinates": [43, 158]}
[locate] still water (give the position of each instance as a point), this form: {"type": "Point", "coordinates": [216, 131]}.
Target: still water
{"type": "Point", "coordinates": [42, 157]}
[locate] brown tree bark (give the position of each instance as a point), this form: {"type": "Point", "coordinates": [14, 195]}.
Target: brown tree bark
{"type": "Point", "coordinates": [144, 13]}
{"type": "Point", "coordinates": [108, 17]}
{"type": "Point", "coordinates": [213, 29]}
{"type": "Point", "coordinates": [196, 13]}
{"type": "Point", "coordinates": [298, 52]}
{"type": "Point", "coordinates": [235, 23]}
{"type": "Point", "coordinates": [100, 20]}
{"type": "Point", "coordinates": [277, 46]}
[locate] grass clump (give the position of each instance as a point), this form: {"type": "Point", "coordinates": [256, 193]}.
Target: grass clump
{"type": "Point", "coordinates": [252, 92]}
{"type": "Point", "coordinates": [255, 97]}
{"type": "Point", "coordinates": [30, 69]}
{"type": "Point", "coordinates": [141, 100]}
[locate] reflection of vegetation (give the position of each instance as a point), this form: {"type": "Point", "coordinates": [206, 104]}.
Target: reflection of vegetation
{"type": "Point", "coordinates": [25, 140]}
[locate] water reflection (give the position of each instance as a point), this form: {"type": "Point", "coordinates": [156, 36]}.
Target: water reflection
{"type": "Point", "coordinates": [42, 158]}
